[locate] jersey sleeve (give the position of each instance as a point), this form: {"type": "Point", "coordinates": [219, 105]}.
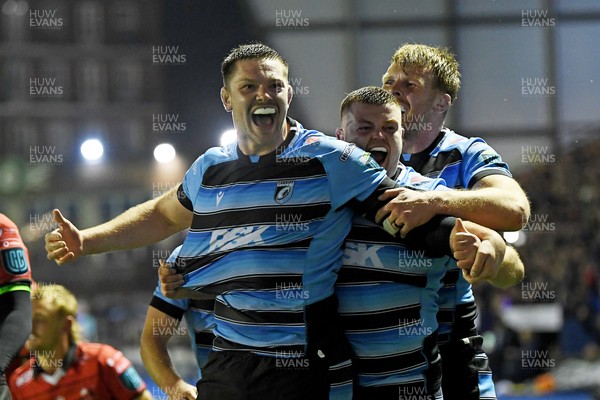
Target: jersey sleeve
{"type": "Point", "coordinates": [352, 173]}
{"type": "Point", "coordinates": [172, 307]}
{"type": "Point", "coordinates": [191, 184]}
{"type": "Point", "coordinates": [479, 161]}
{"type": "Point", "coordinates": [119, 375]}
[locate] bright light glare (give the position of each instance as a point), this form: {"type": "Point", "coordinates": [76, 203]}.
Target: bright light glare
{"type": "Point", "coordinates": [164, 153]}
{"type": "Point", "coordinates": [92, 150]}
{"type": "Point", "coordinates": [229, 136]}
{"type": "Point", "coordinates": [515, 238]}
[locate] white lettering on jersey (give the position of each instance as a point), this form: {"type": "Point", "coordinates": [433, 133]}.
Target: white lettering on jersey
{"type": "Point", "coordinates": [362, 254]}
{"type": "Point", "coordinates": [232, 238]}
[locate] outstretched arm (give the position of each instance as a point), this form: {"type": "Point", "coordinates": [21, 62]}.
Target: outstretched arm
{"type": "Point", "coordinates": [139, 226]}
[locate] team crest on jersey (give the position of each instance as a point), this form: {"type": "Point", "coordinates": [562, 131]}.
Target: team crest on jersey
{"type": "Point", "coordinates": [283, 191]}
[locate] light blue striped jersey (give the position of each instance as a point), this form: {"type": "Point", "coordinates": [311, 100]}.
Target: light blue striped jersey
{"type": "Point", "coordinates": [267, 233]}
{"type": "Point", "coordinates": [461, 162]}
{"type": "Point", "coordinates": [388, 297]}
{"type": "Point", "coordinates": [198, 315]}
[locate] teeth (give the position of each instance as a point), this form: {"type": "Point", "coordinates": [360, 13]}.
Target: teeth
{"type": "Point", "coordinates": [264, 111]}
{"type": "Point", "coordinates": [380, 149]}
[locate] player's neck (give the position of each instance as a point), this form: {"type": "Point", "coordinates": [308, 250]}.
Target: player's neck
{"type": "Point", "coordinates": [52, 360]}
{"type": "Point", "coordinates": [251, 147]}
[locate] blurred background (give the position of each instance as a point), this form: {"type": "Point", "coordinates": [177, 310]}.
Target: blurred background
{"type": "Point", "coordinates": [105, 104]}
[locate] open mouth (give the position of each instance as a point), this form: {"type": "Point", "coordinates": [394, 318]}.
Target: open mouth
{"type": "Point", "coordinates": [264, 117]}
{"type": "Point", "coordinates": [379, 154]}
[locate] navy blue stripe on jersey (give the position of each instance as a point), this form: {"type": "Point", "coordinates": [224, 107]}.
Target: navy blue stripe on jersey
{"type": "Point", "coordinates": [257, 317]}
{"type": "Point", "coordinates": [167, 308]}
{"type": "Point", "coordinates": [380, 319]}
{"type": "Point", "coordinates": [229, 173]}
{"type": "Point", "coordinates": [222, 344]}
{"type": "Point", "coordinates": [204, 339]}
{"type": "Point", "coordinates": [285, 217]}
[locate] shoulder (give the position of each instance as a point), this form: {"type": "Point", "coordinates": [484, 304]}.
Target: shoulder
{"type": "Point", "coordinates": [21, 376]}
{"type": "Point", "coordinates": [454, 141]}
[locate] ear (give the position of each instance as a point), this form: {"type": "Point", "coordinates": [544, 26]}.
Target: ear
{"type": "Point", "coordinates": [290, 94]}
{"type": "Point", "coordinates": [442, 103]}
{"type": "Point", "coordinates": [69, 321]}
{"type": "Point", "coordinates": [225, 98]}
{"type": "Point", "coordinates": [339, 133]}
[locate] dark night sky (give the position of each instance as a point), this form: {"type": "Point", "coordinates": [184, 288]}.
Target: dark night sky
{"type": "Point", "coordinates": [205, 32]}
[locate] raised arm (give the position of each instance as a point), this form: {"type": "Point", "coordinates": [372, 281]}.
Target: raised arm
{"type": "Point", "coordinates": [139, 226]}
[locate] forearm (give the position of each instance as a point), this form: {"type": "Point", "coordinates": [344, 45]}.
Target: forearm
{"type": "Point", "coordinates": [157, 362]}
{"type": "Point", "coordinates": [15, 324]}
{"type": "Point", "coordinates": [511, 271]}
{"type": "Point", "coordinates": [495, 208]}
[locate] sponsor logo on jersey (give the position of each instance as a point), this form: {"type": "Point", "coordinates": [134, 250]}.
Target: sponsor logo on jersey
{"type": "Point", "coordinates": [14, 261]}
{"type": "Point", "coordinates": [283, 191]}
{"type": "Point", "coordinates": [347, 151]}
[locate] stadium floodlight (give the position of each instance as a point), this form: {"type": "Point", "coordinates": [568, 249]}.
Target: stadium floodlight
{"type": "Point", "coordinates": [517, 238]}
{"type": "Point", "coordinates": [92, 150]}
{"type": "Point", "coordinates": [229, 136]}
{"type": "Point", "coordinates": [164, 153]}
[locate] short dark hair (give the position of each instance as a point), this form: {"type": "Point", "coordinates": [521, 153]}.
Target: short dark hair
{"type": "Point", "coordinates": [368, 95]}
{"type": "Point", "coordinates": [251, 51]}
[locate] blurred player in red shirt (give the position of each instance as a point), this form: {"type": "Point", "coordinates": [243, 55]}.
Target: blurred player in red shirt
{"type": "Point", "coordinates": [15, 303]}
{"type": "Point", "coordinates": [63, 367]}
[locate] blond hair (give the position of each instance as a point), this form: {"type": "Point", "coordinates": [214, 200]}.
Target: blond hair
{"type": "Point", "coordinates": [61, 301]}
{"type": "Point", "coordinates": [440, 61]}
